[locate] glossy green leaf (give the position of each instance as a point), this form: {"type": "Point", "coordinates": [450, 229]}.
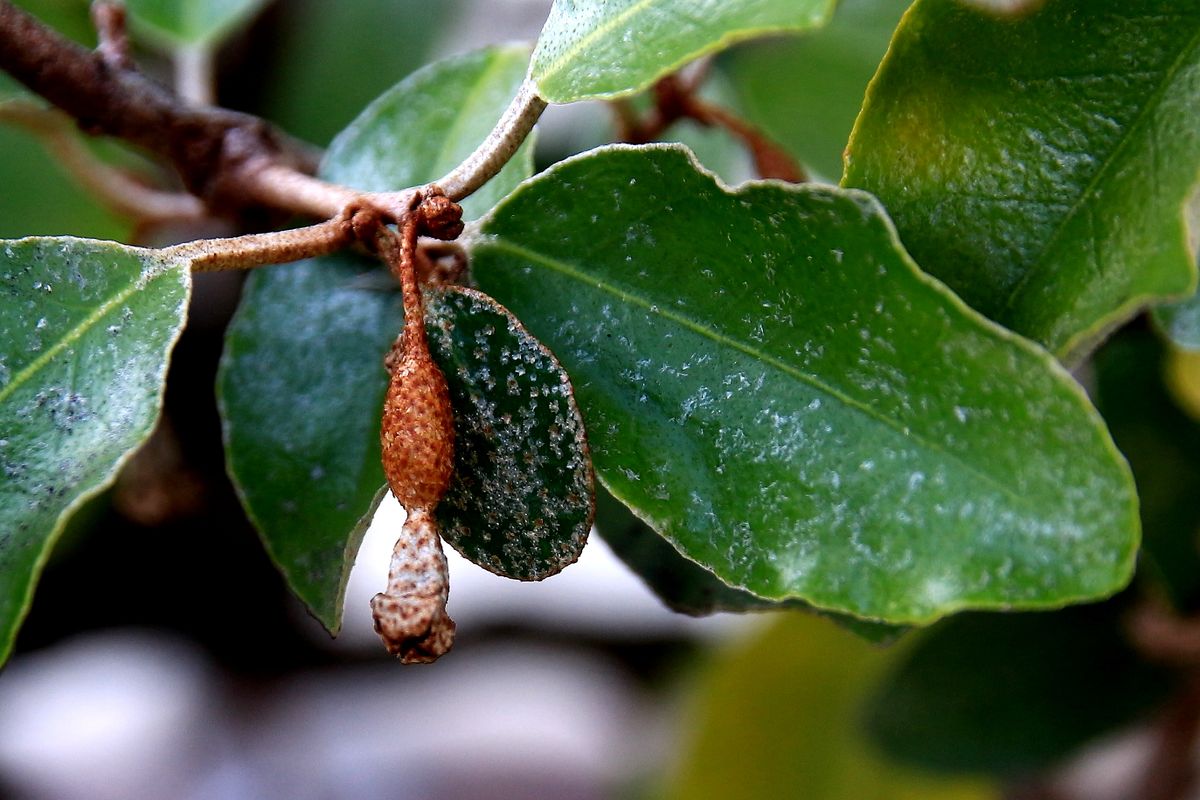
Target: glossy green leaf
{"type": "Point", "coordinates": [190, 22]}
{"type": "Point", "coordinates": [1039, 165]}
{"type": "Point", "coordinates": [84, 340]}
{"type": "Point", "coordinates": [1013, 693]}
{"type": "Point", "coordinates": [770, 382]}
{"type": "Point", "coordinates": [1162, 442]}
{"type": "Point", "coordinates": [427, 124]}
{"type": "Point", "coordinates": [302, 381]}
{"type": "Point", "coordinates": [1005, 7]}
{"type": "Point", "coordinates": [521, 503]}
{"type": "Point", "coordinates": [301, 388]}
{"type": "Point", "coordinates": [827, 71]}
{"type": "Point", "coordinates": [779, 717]}
{"type": "Point", "coordinates": [592, 49]}
{"type": "Point", "coordinates": [688, 588]}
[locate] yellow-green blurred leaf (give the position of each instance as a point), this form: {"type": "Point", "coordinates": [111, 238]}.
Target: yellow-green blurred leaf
{"type": "Point", "coordinates": [779, 717]}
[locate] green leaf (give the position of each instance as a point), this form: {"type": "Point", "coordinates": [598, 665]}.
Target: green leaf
{"type": "Point", "coordinates": [84, 340]}
{"type": "Point", "coordinates": [1039, 165]}
{"type": "Point", "coordinates": [591, 49]}
{"type": "Point", "coordinates": [1004, 7]}
{"type": "Point", "coordinates": [315, 79]}
{"type": "Point", "coordinates": [427, 124]}
{"type": "Point", "coordinates": [301, 387]}
{"type": "Point", "coordinates": [688, 588]}
{"type": "Point", "coordinates": [302, 381]}
{"type": "Point", "coordinates": [778, 717]}
{"type": "Point", "coordinates": [770, 382]}
{"type": "Point", "coordinates": [812, 111]}
{"type": "Point", "coordinates": [187, 23]}
{"type": "Point", "coordinates": [1012, 693]}
{"type": "Point", "coordinates": [521, 503]}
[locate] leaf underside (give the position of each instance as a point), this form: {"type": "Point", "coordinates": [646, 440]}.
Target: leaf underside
{"type": "Point", "coordinates": [521, 501]}
{"type": "Point", "coordinates": [304, 441]}
{"type": "Point", "coordinates": [770, 382]}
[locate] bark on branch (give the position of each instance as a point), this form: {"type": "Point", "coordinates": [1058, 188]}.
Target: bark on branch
{"type": "Point", "coordinates": [208, 146]}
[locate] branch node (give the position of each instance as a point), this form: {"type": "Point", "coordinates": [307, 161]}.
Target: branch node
{"type": "Point", "coordinates": [439, 216]}
{"type": "Point", "coordinates": [109, 18]}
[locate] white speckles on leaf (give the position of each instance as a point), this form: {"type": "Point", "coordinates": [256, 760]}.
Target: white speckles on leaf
{"type": "Point", "coordinates": [837, 428]}
{"type": "Point", "coordinates": [521, 500]}
{"type": "Point", "coordinates": [74, 399]}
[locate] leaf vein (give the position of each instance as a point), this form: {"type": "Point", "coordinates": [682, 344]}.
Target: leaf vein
{"type": "Point", "coordinates": [1089, 191]}
{"type": "Point", "coordinates": [570, 271]}
{"type": "Point", "coordinates": [73, 335]}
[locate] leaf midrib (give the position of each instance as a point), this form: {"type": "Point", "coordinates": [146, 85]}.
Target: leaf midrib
{"type": "Point", "coordinates": [772, 361]}
{"type": "Point", "coordinates": [600, 30]}
{"type": "Point", "coordinates": [1036, 268]}
{"type": "Point", "coordinates": [76, 332]}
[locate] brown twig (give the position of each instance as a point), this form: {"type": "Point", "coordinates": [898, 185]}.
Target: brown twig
{"type": "Point", "coordinates": [1035, 790]}
{"type": "Point", "coordinates": [676, 99]}
{"type": "Point", "coordinates": [207, 146]}
{"type": "Point", "coordinates": [770, 160]}
{"type": "Point", "coordinates": [230, 162]}
{"type": "Point", "coordinates": [1163, 636]}
{"type": "Point", "coordinates": [428, 213]}
{"type": "Point", "coordinates": [114, 187]}
{"type": "Point", "coordinates": [109, 19]}
{"type": "Point", "coordinates": [261, 249]}
{"type": "Point", "coordinates": [501, 143]}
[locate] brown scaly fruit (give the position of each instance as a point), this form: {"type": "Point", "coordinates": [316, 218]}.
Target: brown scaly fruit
{"type": "Point", "coordinates": [417, 432]}
{"type": "Point", "coordinates": [417, 438]}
